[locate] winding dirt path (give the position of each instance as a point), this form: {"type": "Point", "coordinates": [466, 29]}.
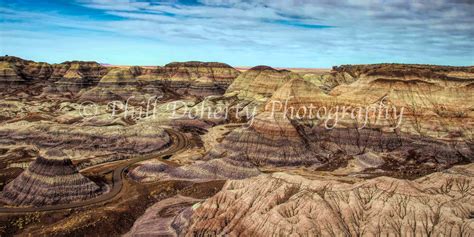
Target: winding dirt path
{"type": "Point", "coordinates": [179, 143]}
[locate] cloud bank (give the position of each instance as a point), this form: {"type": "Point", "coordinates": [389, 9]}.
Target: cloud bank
{"type": "Point", "coordinates": [293, 33]}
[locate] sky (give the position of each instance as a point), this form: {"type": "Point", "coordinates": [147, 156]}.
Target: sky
{"type": "Point", "coordinates": [290, 33]}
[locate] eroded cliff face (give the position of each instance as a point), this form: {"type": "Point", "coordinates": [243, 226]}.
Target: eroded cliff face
{"type": "Point", "coordinates": [50, 179]}
{"type": "Point", "coordinates": [283, 204]}
{"type": "Point", "coordinates": [436, 99]}
{"type": "Point", "coordinates": [259, 83]}
{"type": "Point", "coordinates": [99, 83]}
{"type": "Point", "coordinates": [198, 79]}
{"type": "Point", "coordinates": [72, 77]}
{"type": "Point", "coordinates": [120, 84]}
{"type": "Point", "coordinates": [346, 74]}
{"type": "Point", "coordinates": [16, 70]}
{"type": "Point", "coordinates": [220, 73]}
{"type": "Point", "coordinates": [437, 81]}
{"type": "Point", "coordinates": [23, 76]}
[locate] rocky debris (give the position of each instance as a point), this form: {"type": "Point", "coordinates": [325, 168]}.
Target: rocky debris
{"type": "Point", "coordinates": [50, 179]}
{"type": "Point", "coordinates": [166, 218]}
{"type": "Point", "coordinates": [282, 204]}
{"type": "Point", "coordinates": [375, 152]}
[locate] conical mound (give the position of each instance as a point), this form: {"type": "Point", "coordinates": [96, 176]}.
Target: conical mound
{"type": "Point", "coordinates": [271, 139]}
{"type": "Point", "coordinates": [50, 179]}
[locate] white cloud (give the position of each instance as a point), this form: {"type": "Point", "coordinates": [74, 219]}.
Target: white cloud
{"type": "Point", "coordinates": [364, 30]}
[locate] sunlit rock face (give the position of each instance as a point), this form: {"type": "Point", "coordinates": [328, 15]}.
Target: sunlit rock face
{"type": "Point", "coordinates": [283, 204]}
{"type": "Point", "coordinates": [152, 74]}
{"type": "Point", "coordinates": [434, 98]}
{"type": "Point", "coordinates": [50, 179]}
{"type": "Point", "coordinates": [9, 74]}
{"type": "Point", "coordinates": [398, 80]}
{"type": "Point", "coordinates": [76, 75]}
{"type": "Point", "coordinates": [202, 78]}
{"type": "Point", "coordinates": [296, 98]}
{"type": "Point", "coordinates": [346, 74]}
{"type": "Point", "coordinates": [259, 82]}
{"type": "Point", "coordinates": [271, 139]}
{"type": "Point", "coordinates": [67, 77]}
{"type": "Point", "coordinates": [253, 88]}
{"type": "Point", "coordinates": [16, 71]}
{"type": "Point", "coordinates": [120, 84]}
{"type": "Point", "coordinates": [203, 87]}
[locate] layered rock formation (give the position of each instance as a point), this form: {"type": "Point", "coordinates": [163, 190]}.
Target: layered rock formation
{"type": "Point", "coordinates": [194, 78]}
{"type": "Point", "coordinates": [8, 73]}
{"type": "Point", "coordinates": [69, 78]}
{"type": "Point", "coordinates": [119, 84]}
{"type": "Point", "coordinates": [86, 138]}
{"type": "Point", "coordinates": [434, 97]}
{"type": "Point", "coordinates": [282, 204]}
{"type": "Point", "coordinates": [346, 74]}
{"type": "Point", "coordinates": [26, 69]}
{"type": "Point", "coordinates": [259, 83]}
{"type": "Point", "coordinates": [271, 139]}
{"type": "Point", "coordinates": [297, 98]}
{"type": "Point", "coordinates": [50, 179]}
{"type": "Point", "coordinates": [219, 74]}
{"type": "Point", "coordinates": [437, 81]}
{"type": "Point", "coordinates": [52, 79]}
{"type": "Point", "coordinates": [14, 71]}
{"type": "Point", "coordinates": [203, 87]}
{"type": "Point", "coordinates": [216, 169]}
{"type": "Point", "coordinates": [75, 75]}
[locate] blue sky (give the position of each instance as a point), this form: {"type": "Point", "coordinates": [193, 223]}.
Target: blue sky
{"type": "Point", "coordinates": [291, 33]}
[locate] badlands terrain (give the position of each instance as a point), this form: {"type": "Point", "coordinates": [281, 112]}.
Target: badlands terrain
{"type": "Point", "coordinates": [205, 149]}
